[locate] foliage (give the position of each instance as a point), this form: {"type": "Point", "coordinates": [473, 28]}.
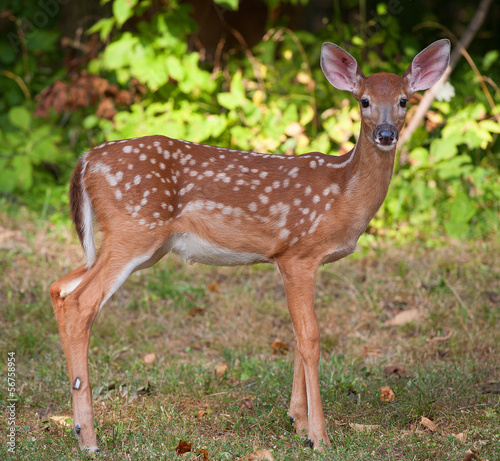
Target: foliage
{"type": "Point", "coordinates": [274, 99]}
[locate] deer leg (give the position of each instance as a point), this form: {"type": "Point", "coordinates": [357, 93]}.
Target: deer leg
{"type": "Point", "coordinates": [77, 299]}
{"type": "Point", "coordinates": [75, 315]}
{"type": "Point", "coordinates": [298, 401]}
{"type": "Point", "coordinates": [299, 289]}
{"type": "Point", "coordinates": [58, 292]}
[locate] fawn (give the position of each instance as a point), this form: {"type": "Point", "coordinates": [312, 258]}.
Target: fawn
{"type": "Point", "coordinates": [154, 195]}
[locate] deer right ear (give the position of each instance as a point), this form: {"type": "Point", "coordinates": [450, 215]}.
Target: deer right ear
{"type": "Point", "coordinates": [428, 66]}
{"type": "Point", "coordinates": [340, 68]}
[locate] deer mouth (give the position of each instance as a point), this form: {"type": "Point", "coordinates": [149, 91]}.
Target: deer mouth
{"type": "Point", "coordinates": [385, 135]}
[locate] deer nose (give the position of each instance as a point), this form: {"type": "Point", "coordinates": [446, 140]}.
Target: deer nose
{"type": "Point", "coordinates": [385, 134]}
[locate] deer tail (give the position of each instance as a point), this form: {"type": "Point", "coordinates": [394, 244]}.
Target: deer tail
{"type": "Point", "coordinates": [82, 211]}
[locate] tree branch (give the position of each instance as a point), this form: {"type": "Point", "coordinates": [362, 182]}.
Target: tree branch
{"type": "Point", "coordinates": [430, 94]}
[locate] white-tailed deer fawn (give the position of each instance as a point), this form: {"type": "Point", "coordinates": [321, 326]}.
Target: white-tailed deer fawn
{"type": "Point", "coordinates": [153, 195]}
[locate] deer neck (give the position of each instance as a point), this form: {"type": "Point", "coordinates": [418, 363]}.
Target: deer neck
{"type": "Point", "coordinates": [367, 177]}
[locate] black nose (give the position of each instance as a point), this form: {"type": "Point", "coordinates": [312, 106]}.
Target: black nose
{"type": "Point", "coordinates": [385, 134]}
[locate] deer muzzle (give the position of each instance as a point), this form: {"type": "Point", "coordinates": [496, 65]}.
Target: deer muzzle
{"type": "Point", "coordinates": [385, 134]}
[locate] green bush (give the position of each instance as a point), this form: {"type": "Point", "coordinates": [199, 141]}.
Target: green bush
{"type": "Point", "coordinates": [276, 101]}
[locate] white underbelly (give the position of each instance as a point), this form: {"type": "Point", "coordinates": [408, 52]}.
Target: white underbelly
{"type": "Point", "coordinates": [194, 249]}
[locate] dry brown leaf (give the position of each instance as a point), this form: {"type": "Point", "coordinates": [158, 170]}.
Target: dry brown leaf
{"type": "Point", "coordinates": [203, 452]}
{"type": "Point", "coordinates": [259, 455]}
{"type": "Point", "coordinates": [364, 427]}
{"type": "Point", "coordinates": [220, 369]}
{"type": "Point", "coordinates": [462, 436]}
{"type": "Point", "coordinates": [202, 414]}
{"type": "Point", "coordinates": [149, 358]}
{"type": "Point", "coordinates": [61, 420]}
{"type": "Point", "coordinates": [387, 394]}
{"type": "Point", "coordinates": [279, 347]}
{"type": "Point", "coordinates": [371, 352]}
{"type": "Point", "coordinates": [426, 422]}
{"type": "Point", "coordinates": [403, 317]}
{"type": "Point", "coordinates": [395, 370]}
{"type": "Point", "coordinates": [214, 287]}
{"type": "Point", "coordinates": [470, 455]}
{"type": "Point", "coordinates": [196, 311]}
{"type": "Point", "coordinates": [183, 447]}
{"type": "Point", "coordinates": [247, 402]}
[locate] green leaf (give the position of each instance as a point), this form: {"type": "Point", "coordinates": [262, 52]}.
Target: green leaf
{"type": "Point", "coordinates": [489, 58]}
{"type": "Point", "coordinates": [461, 210]}
{"type": "Point", "coordinates": [455, 167]}
{"type": "Point", "coordinates": [230, 4]}
{"type": "Point", "coordinates": [227, 100]}
{"type": "Point", "coordinates": [236, 97]}
{"type": "Point", "coordinates": [444, 148]}
{"type": "Point", "coordinates": [419, 157]}
{"type": "Point", "coordinates": [20, 117]}
{"type": "Point", "coordinates": [490, 125]}
{"type": "Point", "coordinates": [22, 170]}
{"type": "Point", "coordinates": [174, 68]}
{"type": "Point", "coordinates": [119, 53]}
{"type": "Point", "coordinates": [123, 10]}
{"type": "Point", "coordinates": [104, 26]}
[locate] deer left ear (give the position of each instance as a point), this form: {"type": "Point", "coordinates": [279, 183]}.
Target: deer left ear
{"type": "Point", "coordinates": [428, 66]}
{"type": "Point", "coordinates": [341, 69]}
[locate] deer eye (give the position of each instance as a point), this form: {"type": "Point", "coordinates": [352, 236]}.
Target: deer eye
{"type": "Point", "coordinates": [365, 103]}
{"type": "Point", "coordinates": [403, 102]}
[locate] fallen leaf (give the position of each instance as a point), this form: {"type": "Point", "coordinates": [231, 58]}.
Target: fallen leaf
{"type": "Point", "coordinates": [386, 394]}
{"type": "Point", "coordinates": [247, 402]}
{"type": "Point", "coordinates": [440, 339]}
{"type": "Point", "coordinates": [149, 358]}
{"type": "Point", "coordinates": [426, 422]}
{"type": "Point", "coordinates": [364, 427]}
{"type": "Point", "coordinates": [202, 414]}
{"type": "Point", "coordinates": [183, 447]}
{"type": "Point", "coordinates": [462, 436]}
{"type": "Point", "coordinates": [220, 369]}
{"type": "Point", "coordinates": [371, 352]}
{"type": "Point", "coordinates": [196, 311]}
{"type": "Point", "coordinates": [404, 317]}
{"type": "Point", "coordinates": [214, 287]}
{"type": "Point", "coordinates": [279, 347]}
{"type": "Point", "coordinates": [470, 455]}
{"type": "Point", "coordinates": [259, 455]}
{"type": "Point", "coordinates": [204, 452]}
{"type": "Point", "coordinates": [395, 370]}
{"type": "Point", "coordinates": [64, 421]}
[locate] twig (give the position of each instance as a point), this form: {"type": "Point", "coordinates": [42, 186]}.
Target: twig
{"type": "Point", "coordinates": [19, 81]}
{"type": "Point", "coordinates": [430, 94]}
{"type": "Point", "coordinates": [459, 299]}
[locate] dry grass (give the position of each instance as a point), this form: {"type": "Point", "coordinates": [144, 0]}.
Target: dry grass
{"type": "Point", "coordinates": [194, 318]}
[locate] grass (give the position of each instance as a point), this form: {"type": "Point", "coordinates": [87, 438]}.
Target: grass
{"type": "Point", "coordinates": [215, 380]}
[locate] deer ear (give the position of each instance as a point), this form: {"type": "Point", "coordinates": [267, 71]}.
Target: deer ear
{"type": "Point", "coordinates": [340, 68]}
{"type": "Point", "coordinates": [428, 66]}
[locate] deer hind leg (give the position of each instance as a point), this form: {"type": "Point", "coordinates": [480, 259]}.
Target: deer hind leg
{"type": "Point", "coordinates": [299, 289]}
{"type": "Point", "coordinates": [77, 299]}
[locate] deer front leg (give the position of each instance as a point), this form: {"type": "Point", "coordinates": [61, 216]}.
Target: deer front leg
{"type": "Point", "coordinates": [298, 280]}
{"type": "Point", "coordinates": [298, 401]}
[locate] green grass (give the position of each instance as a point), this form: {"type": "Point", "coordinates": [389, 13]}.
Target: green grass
{"type": "Point", "coordinates": [194, 318]}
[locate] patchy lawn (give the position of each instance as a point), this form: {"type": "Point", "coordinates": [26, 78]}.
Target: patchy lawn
{"type": "Point", "coordinates": [410, 364]}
